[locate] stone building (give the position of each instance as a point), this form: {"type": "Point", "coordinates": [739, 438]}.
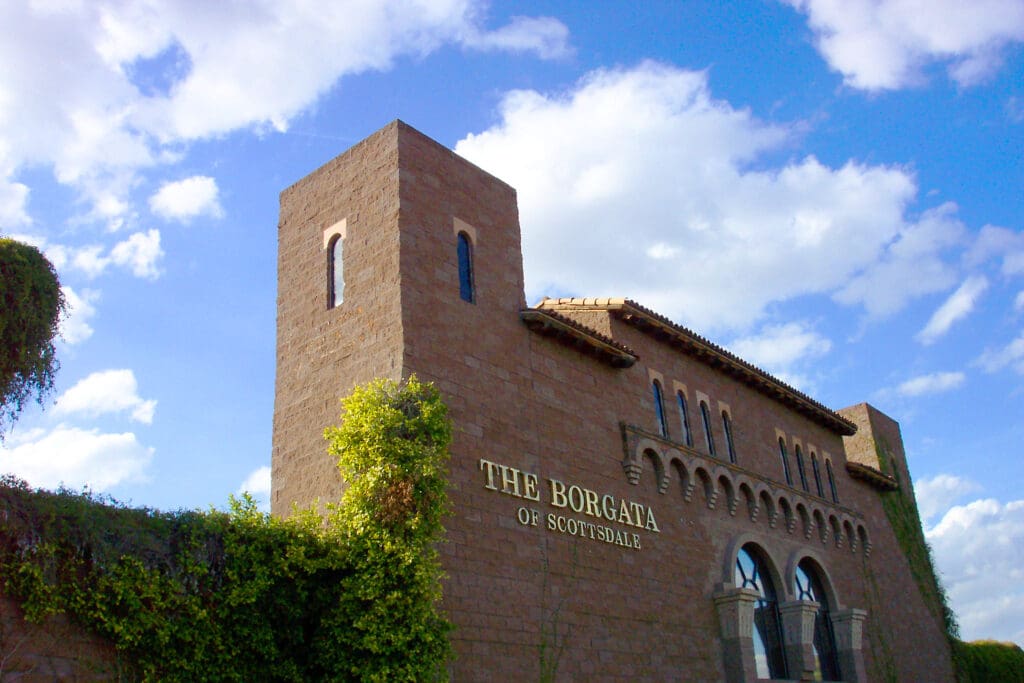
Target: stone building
{"type": "Point", "coordinates": [630, 501]}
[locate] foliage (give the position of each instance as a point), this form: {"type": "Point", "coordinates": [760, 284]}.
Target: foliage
{"type": "Point", "coordinates": [31, 305]}
{"type": "Point", "coordinates": [392, 446]}
{"type": "Point", "coordinates": [241, 595]}
{"type": "Point", "coordinates": [987, 660]}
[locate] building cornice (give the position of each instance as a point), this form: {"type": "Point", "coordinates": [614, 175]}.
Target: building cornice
{"type": "Point", "coordinates": [709, 353]}
{"type": "Point", "coordinates": [577, 336]}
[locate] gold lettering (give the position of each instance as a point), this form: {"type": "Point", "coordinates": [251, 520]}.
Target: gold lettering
{"type": "Point", "coordinates": [608, 507]}
{"type": "Point", "coordinates": [551, 521]}
{"type": "Point", "coordinates": [636, 541]}
{"type": "Point", "coordinates": [489, 467]}
{"type": "Point", "coordinates": [576, 498]}
{"type": "Point", "coordinates": [592, 503]}
{"type": "Point", "coordinates": [624, 517]}
{"type": "Point", "coordinates": [638, 511]}
{"type": "Point", "coordinates": [506, 480]}
{"type": "Point", "coordinates": [558, 498]}
{"type": "Point", "coordinates": [530, 491]}
{"type": "Point", "coordinates": [651, 524]}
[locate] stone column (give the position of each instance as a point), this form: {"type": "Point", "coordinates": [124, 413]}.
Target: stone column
{"type": "Point", "coordinates": [798, 636]}
{"type": "Point", "coordinates": [848, 627]}
{"type": "Point", "coordinates": [736, 620]}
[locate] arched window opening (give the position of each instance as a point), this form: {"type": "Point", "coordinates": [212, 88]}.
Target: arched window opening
{"type": "Point", "coordinates": [727, 427]}
{"type": "Point", "coordinates": [800, 469]}
{"type": "Point", "coordinates": [809, 587]}
{"type": "Point", "coordinates": [466, 285]}
{"type": "Point", "coordinates": [785, 461]}
{"type": "Point", "coordinates": [335, 272]}
{"type": "Point", "coordinates": [659, 408]}
{"type": "Point", "coordinates": [817, 474]}
{"type": "Point", "coordinates": [684, 418]}
{"type": "Point", "coordinates": [705, 418]}
{"type": "Point", "coordinates": [831, 481]}
{"type": "Point", "coordinates": [751, 573]}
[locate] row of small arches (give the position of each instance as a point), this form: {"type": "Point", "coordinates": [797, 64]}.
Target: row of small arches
{"type": "Point", "coordinates": [721, 486]}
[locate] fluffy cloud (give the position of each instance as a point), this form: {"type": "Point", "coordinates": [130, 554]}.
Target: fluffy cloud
{"type": "Point", "coordinates": [188, 198]}
{"type": "Point", "coordinates": [1011, 355]}
{"type": "Point", "coordinates": [979, 550]}
{"type": "Point", "coordinates": [131, 78]}
{"type": "Point", "coordinates": [139, 253]}
{"type": "Point", "coordinates": [257, 484]}
{"type": "Point", "coordinates": [886, 44]}
{"type": "Point", "coordinates": [637, 182]}
{"type": "Point", "coordinates": [959, 304]}
{"type": "Point", "coordinates": [780, 349]}
{"type": "Point", "coordinates": [76, 458]}
{"type": "Point", "coordinates": [937, 495]}
{"type": "Point", "coordinates": [109, 391]}
{"type": "Point", "coordinates": [75, 327]}
{"type": "Point", "coordinates": [933, 383]}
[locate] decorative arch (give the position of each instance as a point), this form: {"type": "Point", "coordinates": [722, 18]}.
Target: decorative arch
{"type": "Point", "coordinates": [686, 481]}
{"type": "Point", "coordinates": [708, 484]}
{"type": "Point", "coordinates": [726, 485]}
{"type": "Point", "coordinates": [770, 509]}
{"type": "Point", "coordinates": [821, 524]}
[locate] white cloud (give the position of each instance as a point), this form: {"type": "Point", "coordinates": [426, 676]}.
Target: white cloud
{"type": "Point", "coordinates": [994, 241]}
{"type": "Point", "coordinates": [959, 304]}
{"type": "Point", "coordinates": [1018, 302]}
{"type": "Point", "coordinates": [76, 458]}
{"type": "Point", "coordinates": [109, 391]}
{"type": "Point", "coordinates": [133, 80]}
{"type": "Point", "coordinates": [547, 37]}
{"type": "Point", "coordinates": [937, 494]}
{"type": "Point", "coordinates": [1011, 355]}
{"type": "Point", "coordinates": [637, 182]}
{"type": "Point", "coordinates": [75, 327]}
{"type": "Point", "coordinates": [933, 383]}
{"type": "Point", "coordinates": [979, 550]}
{"type": "Point", "coordinates": [886, 44]}
{"type": "Point", "coordinates": [139, 253]}
{"type": "Point", "coordinates": [778, 347]}
{"type": "Point", "coordinates": [257, 484]}
{"type": "Point", "coordinates": [188, 198]}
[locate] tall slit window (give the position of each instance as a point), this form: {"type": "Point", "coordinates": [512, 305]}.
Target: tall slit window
{"type": "Point", "coordinates": [800, 469]}
{"type": "Point", "coordinates": [817, 474]}
{"type": "Point", "coordinates": [809, 587]}
{"type": "Point", "coordinates": [335, 272]}
{"type": "Point", "coordinates": [751, 573]}
{"type": "Point", "coordinates": [684, 418]}
{"type": "Point", "coordinates": [467, 290]}
{"type": "Point", "coordinates": [705, 418]}
{"type": "Point", "coordinates": [659, 408]}
{"type": "Point", "coordinates": [831, 481]}
{"type": "Point", "coordinates": [730, 446]}
{"type": "Point", "coordinates": [785, 461]}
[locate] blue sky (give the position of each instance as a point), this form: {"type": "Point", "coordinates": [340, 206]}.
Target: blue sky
{"type": "Point", "coordinates": [832, 190]}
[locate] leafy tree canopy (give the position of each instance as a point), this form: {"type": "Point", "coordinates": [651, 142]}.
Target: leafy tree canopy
{"type": "Point", "coordinates": [32, 305]}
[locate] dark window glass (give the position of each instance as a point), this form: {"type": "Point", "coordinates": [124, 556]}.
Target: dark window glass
{"type": "Point", "coordinates": [705, 418]}
{"type": "Point", "coordinates": [817, 474]}
{"type": "Point", "coordinates": [800, 468]}
{"type": "Point", "coordinates": [684, 418]}
{"type": "Point", "coordinates": [659, 409]}
{"type": "Point", "coordinates": [727, 427]}
{"type": "Point", "coordinates": [335, 273]}
{"type": "Point", "coordinates": [831, 481]}
{"type": "Point", "coordinates": [785, 461]}
{"type": "Point", "coordinates": [766, 632]}
{"type": "Point", "coordinates": [809, 587]}
{"type": "Point", "coordinates": [466, 290]}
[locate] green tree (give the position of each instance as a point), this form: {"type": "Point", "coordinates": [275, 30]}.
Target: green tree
{"type": "Point", "coordinates": [32, 305]}
{"type": "Point", "coordinates": [392, 449]}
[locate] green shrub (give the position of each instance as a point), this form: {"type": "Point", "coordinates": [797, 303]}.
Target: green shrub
{"type": "Point", "coordinates": [987, 661]}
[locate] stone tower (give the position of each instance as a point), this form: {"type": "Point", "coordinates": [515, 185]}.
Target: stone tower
{"type": "Point", "coordinates": [397, 202]}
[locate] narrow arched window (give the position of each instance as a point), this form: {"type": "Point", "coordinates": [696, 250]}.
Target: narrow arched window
{"type": "Point", "coordinates": [335, 272]}
{"type": "Point", "coordinates": [800, 468]}
{"type": "Point", "coordinates": [705, 418]}
{"type": "Point", "coordinates": [659, 408]}
{"type": "Point", "coordinates": [785, 461]}
{"type": "Point", "coordinates": [809, 587]}
{"type": "Point", "coordinates": [727, 427]}
{"type": "Point", "coordinates": [766, 631]}
{"type": "Point", "coordinates": [466, 285]}
{"type": "Point", "coordinates": [831, 481]}
{"type": "Point", "coordinates": [684, 418]}
{"type": "Point", "coordinates": [817, 474]}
